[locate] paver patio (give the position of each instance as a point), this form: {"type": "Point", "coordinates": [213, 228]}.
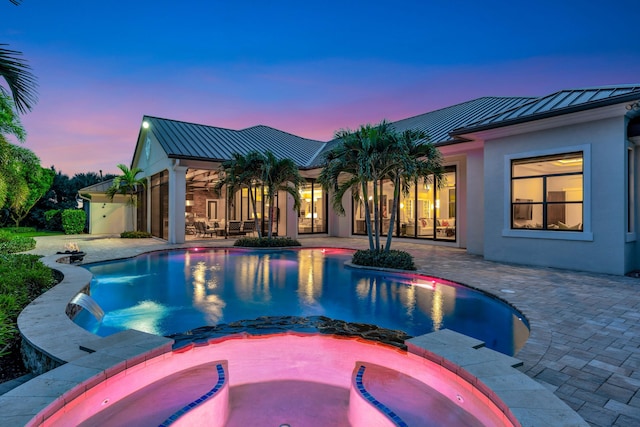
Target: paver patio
{"type": "Point", "coordinates": [585, 337]}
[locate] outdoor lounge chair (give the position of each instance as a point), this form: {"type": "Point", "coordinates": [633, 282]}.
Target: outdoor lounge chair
{"type": "Point", "coordinates": [234, 229]}
{"type": "Point", "coordinates": [249, 227]}
{"type": "Point", "coordinates": [201, 228]}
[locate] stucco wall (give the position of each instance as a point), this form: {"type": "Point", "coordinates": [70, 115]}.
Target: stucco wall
{"type": "Point", "coordinates": [109, 218]}
{"type": "Point", "coordinates": [605, 139]}
{"type": "Point", "coordinates": [474, 190]}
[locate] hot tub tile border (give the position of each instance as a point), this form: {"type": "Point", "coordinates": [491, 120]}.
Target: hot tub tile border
{"type": "Point", "coordinates": [222, 381]}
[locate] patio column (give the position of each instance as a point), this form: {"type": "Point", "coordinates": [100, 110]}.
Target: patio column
{"type": "Point", "coordinates": [177, 197]}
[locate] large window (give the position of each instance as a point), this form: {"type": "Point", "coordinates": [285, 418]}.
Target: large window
{"type": "Point", "coordinates": [428, 211]}
{"type": "Point", "coordinates": [547, 193]}
{"type": "Point", "coordinates": [241, 209]}
{"type": "Point", "coordinates": [160, 205]}
{"type": "Point", "coordinates": [313, 209]}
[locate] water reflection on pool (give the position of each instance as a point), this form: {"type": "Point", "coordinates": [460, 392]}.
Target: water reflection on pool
{"type": "Point", "coordinates": [175, 291]}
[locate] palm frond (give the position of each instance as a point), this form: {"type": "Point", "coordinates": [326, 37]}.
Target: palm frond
{"type": "Point", "coordinates": [17, 73]}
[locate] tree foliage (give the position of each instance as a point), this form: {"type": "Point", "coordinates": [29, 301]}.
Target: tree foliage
{"type": "Point", "coordinates": [63, 194]}
{"type": "Point", "coordinates": [127, 184]}
{"type": "Point", "coordinates": [16, 72]}
{"type": "Point", "coordinates": [27, 182]}
{"type": "Point", "coordinates": [256, 169]}
{"type": "Point", "coordinates": [372, 154]}
{"type": "Point", "coordinates": [9, 125]}
{"type": "Point", "coordinates": [22, 181]}
{"type": "Point", "coordinates": [242, 171]}
{"type": "Point", "coordinates": [280, 175]}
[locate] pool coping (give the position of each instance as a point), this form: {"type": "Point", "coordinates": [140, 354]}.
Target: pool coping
{"type": "Point", "coordinates": [39, 322]}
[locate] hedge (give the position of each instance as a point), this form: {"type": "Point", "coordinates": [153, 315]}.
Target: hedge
{"type": "Point", "coordinates": [393, 259]}
{"type": "Point", "coordinates": [73, 221]}
{"type": "Point", "coordinates": [265, 242]}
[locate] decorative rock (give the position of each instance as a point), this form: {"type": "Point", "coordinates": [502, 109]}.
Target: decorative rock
{"type": "Point", "coordinates": [266, 325]}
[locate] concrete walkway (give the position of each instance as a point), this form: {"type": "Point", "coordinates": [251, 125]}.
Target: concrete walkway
{"type": "Point", "coordinates": [585, 336]}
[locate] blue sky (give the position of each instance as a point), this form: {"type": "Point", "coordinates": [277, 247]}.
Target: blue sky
{"type": "Point", "coordinates": [306, 68]}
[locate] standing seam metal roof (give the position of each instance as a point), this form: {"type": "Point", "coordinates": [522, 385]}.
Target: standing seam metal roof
{"type": "Point", "coordinates": [437, 124]}
{"type": "Point", "coordinates": [195, 141]}
{"type": "Point", "coordinates": [561, 102]}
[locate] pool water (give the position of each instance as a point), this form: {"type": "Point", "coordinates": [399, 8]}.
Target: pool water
{"type": "Point", "coordinates": [174, 291]}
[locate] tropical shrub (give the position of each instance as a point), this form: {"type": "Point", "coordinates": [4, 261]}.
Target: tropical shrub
{"type": "Point", "coordinates": [22, 279]}
{"type": "Point", "coordinates": [53, 220]}
{"type": "Point", "coordinates": [73, 221]}
{"type": "Point", "coordinates": [392, 259]}
{"type": "Point", "coordinates": [7, 333]}
{"type": "Point", "coordinates": [11, 242]}
{"type": "Point", "coordinates": [266, 242]}
{"type": "Point", "coordinates": [134, 234]}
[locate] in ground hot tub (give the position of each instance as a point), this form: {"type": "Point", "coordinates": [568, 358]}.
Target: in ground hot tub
{"type": "Point", "coordinates": [290, 378]}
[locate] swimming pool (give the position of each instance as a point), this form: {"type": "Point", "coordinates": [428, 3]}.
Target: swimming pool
{"type": "Point", "coordinates": [175, 291]}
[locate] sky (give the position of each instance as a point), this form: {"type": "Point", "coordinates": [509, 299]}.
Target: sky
{"type": "Point", "coordinates": [308, 68]}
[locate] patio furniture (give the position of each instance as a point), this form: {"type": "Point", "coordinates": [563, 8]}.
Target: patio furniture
{"type": "Point", "coordinates": [202, 229]}
{"type": "Point", "coordinates": [249, 227]}
{"type": "Point", "coordinates": [234, 229]}
{"type": "Point", "coordinates": [190, 228]}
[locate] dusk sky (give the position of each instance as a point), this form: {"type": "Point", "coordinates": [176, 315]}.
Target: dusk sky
{"type": "Point", "coordinates": [309, 68]}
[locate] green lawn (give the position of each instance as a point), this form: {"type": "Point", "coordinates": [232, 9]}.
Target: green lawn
{"type": "Point", "coordinates": [42, 233]}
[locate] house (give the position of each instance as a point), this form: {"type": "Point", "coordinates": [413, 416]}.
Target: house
{"type": "Point", "coordinates": [549, 181]}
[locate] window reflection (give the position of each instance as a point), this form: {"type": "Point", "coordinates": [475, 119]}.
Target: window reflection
{"type": "Point", "coordinates": [427, 211]}
{"type": "Point", "coordinates": [313, 209]}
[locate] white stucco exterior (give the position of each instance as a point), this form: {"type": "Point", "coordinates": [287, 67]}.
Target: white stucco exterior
{"type": "Point", "coordinates": [602, 245]}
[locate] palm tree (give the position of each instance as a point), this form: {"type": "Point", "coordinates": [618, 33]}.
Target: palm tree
{"type": "Point", "coordinates": [127, 184]}
{"type": "Point", "coordinates": [414, 160]}
{"type": "Point", "coordinates": [243, 171]}
{"type": "Point", "coordinates": [363, 156]}
{"type": "Point", "coordinates": [9, 125]}
{"type": "Point", "coordinates": [280, 175]}
{"type": "Point", "coordinates": [16, 72]}
{"type": "Point", "coordinates": [22, 84]}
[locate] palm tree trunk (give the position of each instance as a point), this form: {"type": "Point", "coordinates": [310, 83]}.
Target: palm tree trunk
{"type": "Point", "coordinates": [392, 218]}
{"type": "Point", "coordinates": [132, 204]}
{"type": "Point", "coordinates": [255, 213]}
{"type": "Point", "coordinates": [271, 212]}
{"type": "Point", "coordinates": [376, 213]}
{"type": "Point", "coordinates": [367, 215]}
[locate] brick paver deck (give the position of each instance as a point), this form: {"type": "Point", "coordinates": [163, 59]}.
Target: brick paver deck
{"type": "Point", "coordinates": [585, 337]}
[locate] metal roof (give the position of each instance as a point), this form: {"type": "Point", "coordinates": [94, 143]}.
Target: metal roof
{"type": "Point", "coordinates": [201, 142]}
{"type": "Point", "coordinates": [561, 102]}
{"type": "Point", "coordinates": [437, 124]}
{"type": "Point", "coordinates": [100, 187]}
{"type": "Point", "coordinates": [444, 126]}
